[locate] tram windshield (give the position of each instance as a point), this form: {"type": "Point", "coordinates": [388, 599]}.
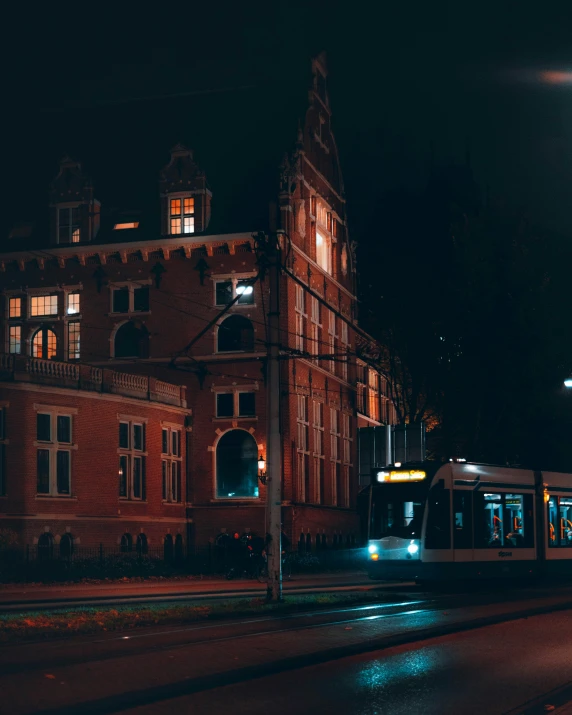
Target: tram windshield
{"type": "Point", "coordinates": [397, 510]}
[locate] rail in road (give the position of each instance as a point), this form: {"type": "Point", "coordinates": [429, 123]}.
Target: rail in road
{"type": "Point", "coordinates": [112, 672]}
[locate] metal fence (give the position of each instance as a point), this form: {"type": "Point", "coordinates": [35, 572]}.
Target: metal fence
{"type": "Point", "coordinates": [55, 563]}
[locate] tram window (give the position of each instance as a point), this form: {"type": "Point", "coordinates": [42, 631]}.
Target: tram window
{"type": "Point", "coordinates": [438, 535]}
{"type": "Point", "coordinates": [552, 522]}
{"type": "Point", "coordinates": [518, 521]}
{"type": "Point", "coordinates": [463, 520]}
{"type": "Point", "coordinates": [560, 521]}
{"type": "Point", "coordinates": [488, 520]}
{"type": "Point", "coordinates": [397, 518]}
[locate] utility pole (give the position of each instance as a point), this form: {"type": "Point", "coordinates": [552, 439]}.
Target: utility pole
{"type": "Point", "coordinates": [273, 441]}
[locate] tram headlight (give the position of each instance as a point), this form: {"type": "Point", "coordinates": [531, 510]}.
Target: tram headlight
{"type": "Point", "coordinates": [372, 548]}
{"type": "Point", "coordinates": [413, 548]}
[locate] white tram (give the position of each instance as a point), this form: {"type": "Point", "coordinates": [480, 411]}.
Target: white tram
{"type": "Point", "coordinates": [469, 521]}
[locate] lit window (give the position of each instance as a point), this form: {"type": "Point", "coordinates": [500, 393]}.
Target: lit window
{"type": "Point", "coordinates": [123, 226]}
{"type": "Point", "coordinates": [44, 344]}
{"type": "Point", "coordinates": [73, 303]}
{"type": "Point", "coordinates": [171, 464]}
{"type": "Point", "coordinates": [53, 459]}
{"type": "Point", "coordinates": [182, 215]}
{"type": "Point", "coordinates": [15, 346]}
{"type": "Point", "coordinates": [43, 305]}
{"type": "Point", "coordinates": [323, 252]}
{"type": "Point", "coordinates": [15, 308]}
{"type": "Point", "coordinates": [73, 340]}
{"type": "Point", "coordinates": [132, 460]}
{"type": "Point", "coordinates": [228, 290]}
{"type": "Point", "coordinates": [69, 225]}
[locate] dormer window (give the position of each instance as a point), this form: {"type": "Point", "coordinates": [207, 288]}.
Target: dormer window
{"type": "Point", "coordinates": [69, 225]}
{"type": "Point", "coordinates": [182, 215]}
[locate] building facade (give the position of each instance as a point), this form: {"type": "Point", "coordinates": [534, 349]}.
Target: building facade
{"type": "Point", "coordinates": [172, 301]}
{"type": "Point", "coordinates": [91, 456]}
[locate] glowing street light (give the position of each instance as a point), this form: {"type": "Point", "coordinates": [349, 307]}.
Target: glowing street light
{"type": "Point", "coordinates": [568, 382]}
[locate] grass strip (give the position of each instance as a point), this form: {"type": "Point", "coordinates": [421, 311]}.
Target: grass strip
{"type": "Point", "coordinates": [41, 625]}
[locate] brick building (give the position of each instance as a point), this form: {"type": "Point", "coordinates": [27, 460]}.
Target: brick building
{"type": "Point", "coordinates": [150, 296]}
{"type": "Point", "coordinates": [91, 455]}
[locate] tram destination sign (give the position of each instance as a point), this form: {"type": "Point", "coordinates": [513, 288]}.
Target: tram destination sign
{"type": "Point", "coordinates": [401, 475]}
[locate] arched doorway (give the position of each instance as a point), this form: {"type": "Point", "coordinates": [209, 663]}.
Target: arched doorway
{"type": "Point", "coordinates": [142, 547]}
{"type": "Point", "coordinates": [131, 341]}
{"type": "Point", "coordinates": [126, 543]}
{"type": "Point", "coordinates": [237, 465]}
{"type": "Point", "coordinates": [168, 548]}
{"type": "Point", "coordinates": [235, 334]}
{"type": "Point", "coordinates": [45, 547]}
{"type": "Point", "coordinates": [44, 344]}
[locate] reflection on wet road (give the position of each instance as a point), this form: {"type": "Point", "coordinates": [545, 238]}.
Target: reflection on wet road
{"type": "Point", "coordinates": [489, 671]}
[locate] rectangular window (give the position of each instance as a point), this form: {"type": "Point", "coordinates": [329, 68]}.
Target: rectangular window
{"type": "Point", "coordinates": [15, 334]}
{"type": "Point", "coordinates": [124, 435]}
{"type": "Point", "coordinates": [141, 298]}
{"type": "Point", "coordinates": [223, 291]}
{"type": "Point", "coordinates": [73, 304]}
{"type": "Point", "coordinates": [164, 441]}
{"type": "Point", "coordinates": [503, 520]}
{"type": "Point", "coordinates": [43, 471]}
{"type": "Point", "coordinates": [69, 225]}
{"type": "Point", "coordinates": [64, 429]}
{"type": "Point", "coordinates": [334, 435]}
{"type": "Point", "coordinates": [225, 404]}
{"type": "Point", "coordinates": [300, 316]}
{"type": "Point", "coordinates": [246, 292]}
{"type": "Point", "coordinates": [171, 465]}
{"type": "Point", "coordinates": [463, 519]}
{"type": "Point", "coordinates": [121, 300]}
{"type": "Point", "coordinates": [43, 305]}
{"type": "Point", "coordinates": [15, 308]}
{"type": "Point", "coordinates": [323, 252]}
{"type": "Point", "coordinates": [182, 218]}
{"type": "Point", "coordinates": [63, 471]}
{"type": "Point", "coordinates": [132, 461]}
{"type": "Point", "coordinates": [123, 472]}
{"type": "Point", "coordinates": [560, 522]}
{"type": "Point", "coordinates": [54, 459]}
{"type": "Point", "coordinates": [73, 340]}
{"type": "Point", "coordinates": [43, 427]}
{"type": "Point", "coordinates": [246, 404]}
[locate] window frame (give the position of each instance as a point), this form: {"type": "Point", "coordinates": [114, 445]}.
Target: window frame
{"type": "Point", "coordinates": [185, 217]}
{"type": "Point", "coordinates": [44, 331]}
{"type": "Point", "coordinates": [235, 391]}
{"type": "Point", "coordinates": [35, 297]}
{"type": "Point", "coordinates": [74, 228]}
{"type": "Point", "coordinates": [235, 281]}
{"type": "Point", "coordinates": [131, 456]}
{"type": "Point", "coordinates": [171, 464]}
{"type": "Point", "coordinates": [20, 303]}
{"type": "Point", "coordinates": [55, 448]}
{"type": "Point", "coordinates": [131, 287]}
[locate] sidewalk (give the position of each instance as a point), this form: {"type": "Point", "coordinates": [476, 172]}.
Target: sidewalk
{"type": "Point", "coordinates": [46, 592]}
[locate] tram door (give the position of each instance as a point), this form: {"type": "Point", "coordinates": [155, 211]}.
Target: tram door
{"type": "Point", "coordinates": [463, 546]}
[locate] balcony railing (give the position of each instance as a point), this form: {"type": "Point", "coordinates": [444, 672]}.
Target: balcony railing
{"type": "Point", "coordinates": [19, 368]}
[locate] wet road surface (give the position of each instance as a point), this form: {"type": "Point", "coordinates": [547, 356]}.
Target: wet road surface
{"type": "Point", "coordinates": [187, 669]}
{"type": "Point", "coordinates": [490, 671]}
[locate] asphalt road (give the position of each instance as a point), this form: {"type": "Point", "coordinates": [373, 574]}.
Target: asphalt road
{"type": "Point", "coordinates": [300, 663]}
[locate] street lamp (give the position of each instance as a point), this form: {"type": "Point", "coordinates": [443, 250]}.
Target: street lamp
{"type": "Point", "coordinates": [568, 382]}
{"type": "Point", "coordinates": [262, 470]}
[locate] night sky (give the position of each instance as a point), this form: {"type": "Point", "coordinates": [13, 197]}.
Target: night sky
{"type": "Point", "coordinates": [408, 82]}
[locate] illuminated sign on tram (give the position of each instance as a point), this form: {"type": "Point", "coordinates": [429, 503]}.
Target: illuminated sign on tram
{"type": "Point", "coordinates": [401, 475]}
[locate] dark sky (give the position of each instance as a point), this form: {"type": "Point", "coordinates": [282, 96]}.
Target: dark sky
{"type": "Point", "coordinates": [407, 80]}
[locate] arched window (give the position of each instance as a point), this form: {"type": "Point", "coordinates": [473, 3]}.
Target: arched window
{"type": "Point", "coordinates": [234, 334]}
{"type": "Point", "coordinates": [44, 344]}
{"type": "Point", "coordinates": [45, 546]}
{"type": "Point", "coordinates": [132, 341]}
{"type": "Point", "coordinates": [66, 546]}
{"type": "Point", "coordinates": [168, 547]}
{"type": "Point", "coordinates": [237, 465]}
{"type": "Point", "coordinates": [178, 548]}
{"type": "Point", "coordinates": [126, 543]}
{"type": "Point", "coordinates": [141, 545]}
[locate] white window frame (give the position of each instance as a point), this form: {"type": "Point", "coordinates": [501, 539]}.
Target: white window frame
{"type": "Point", "coordinates": [53, 447]}
{"type": "Point", "coordinates": [74, 229]}
{"type": "Point", "coordinates": [18, 301]}
{"type": "Point", "coordinates": [72, 294]}
{"type": "Point", "coordinates": [344, 341]}
{"type": "Point", "coordinates": [315, 328]}
{"type": "Point", "coordinates": [301, 317]}
{"type": "Point", "coordinates": [132, 286]}
{"type": "Point", "coordinates": [302, 446]}
{"type": "Point", "coordinates": [17, 341]}
{"type": "Point", "coordinates": [318, 446]}
{"type": "Point", "coordinates": [35, 296]}
{"type": "Point", "coordinates": [186, 218]}
{"type": "Point", "coordinates": [171, 465]}
{"type": "Point", "coordinates": [73, 345]}
{"type": "Point", "coordinates": [334, 435]}
{"type": "Point", "coordinates": [130, 454]}
{"type": "Point", "coordinates": [234, 280]}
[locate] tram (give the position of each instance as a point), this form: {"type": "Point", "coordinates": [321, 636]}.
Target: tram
{"type": "Point", "coordinates": [459, 520]}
